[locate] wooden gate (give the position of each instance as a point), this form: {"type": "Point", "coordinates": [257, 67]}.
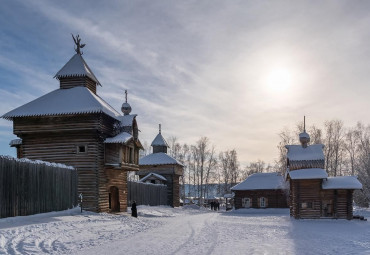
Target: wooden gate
{"type": "Point", "coordinates": [146, 193]}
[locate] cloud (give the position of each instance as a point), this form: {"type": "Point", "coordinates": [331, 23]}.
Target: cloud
{"type": "Point", "coordinates": [199, 68]}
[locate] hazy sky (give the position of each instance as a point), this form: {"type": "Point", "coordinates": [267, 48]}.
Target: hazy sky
{"type": "Point", "coordinates": [234, 71]}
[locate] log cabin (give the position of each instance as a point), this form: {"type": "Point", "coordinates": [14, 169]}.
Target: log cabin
{"type": "Point", "coordinates": [160, 163]}
{"type": "Point", "coordinates": [314, 195]}
{"type": "Point", "coordinates": [73, 125]}
{"type": "Point", "coordinates": [261, 190]}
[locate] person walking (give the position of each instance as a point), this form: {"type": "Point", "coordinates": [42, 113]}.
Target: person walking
{"type": "Point", "coordinates": [134, 209]}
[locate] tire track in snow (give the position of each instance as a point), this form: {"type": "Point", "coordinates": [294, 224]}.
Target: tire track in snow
{"type": "Point", "coordinates": [188, 240]}
{"type": "Point", "coordinates": [60, 237]}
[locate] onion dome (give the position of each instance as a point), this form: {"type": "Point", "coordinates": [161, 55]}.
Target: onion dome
{"type": "Point", "coordinates": [126, 107]}
{"type": "Point", "coordinates": [304, 138]}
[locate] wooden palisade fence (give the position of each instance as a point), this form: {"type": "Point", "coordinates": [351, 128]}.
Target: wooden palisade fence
{"type": "Point", "coordinates": [30, 187]}
{"type": "Point", "coordinates": [146, 193]}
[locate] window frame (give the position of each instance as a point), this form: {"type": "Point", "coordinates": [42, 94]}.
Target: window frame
{"type": "Point", "coordinates": [263, 201]}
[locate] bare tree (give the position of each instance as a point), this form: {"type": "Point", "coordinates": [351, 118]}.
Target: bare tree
{"type": "Point", "coordinates": [334, 147]}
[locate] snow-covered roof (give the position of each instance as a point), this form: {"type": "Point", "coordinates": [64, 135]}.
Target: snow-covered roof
{"type": "Point", "coordinates": [341, 182]}
{"type": "Point", "coordinates": [120, 138]}
{"type": "Point", "coordinates": [260, 181]}
{"type": "Point", "coordinates": [160, 158]}
{"type": "Point", "coordinates": [127, 120]}
{"type": "Point", "coordinates": [158, 176]}
{"type": "Point", "coordinates": [159, 141]}
{"type": "Point", "coordinates": [76, 67]}
{"type": "Point", "coordinates": [311, 152]}
{"type": "Point", "coordinates": [308, 173]}
{"type": "Point", "coordinates": [77, 100]}
{"type": "Point", "coordinates": [15, 142]}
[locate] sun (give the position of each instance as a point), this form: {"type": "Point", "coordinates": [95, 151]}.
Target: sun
{"type": "Point", "coordinates": [279, 80]}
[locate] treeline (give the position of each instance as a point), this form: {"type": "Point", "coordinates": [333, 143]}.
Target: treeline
{"type": "Point", "coordinates": [347, 151]}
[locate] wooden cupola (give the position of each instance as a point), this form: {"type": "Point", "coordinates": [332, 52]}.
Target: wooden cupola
{"type": "Point", "coordinates": [159, 144]}
{"type": "Point", "coordinates": [76, 73]}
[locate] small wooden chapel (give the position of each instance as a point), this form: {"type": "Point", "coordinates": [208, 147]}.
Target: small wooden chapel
{"type": "Point", "coordinates": [73, 125]}
{"type": "Point", "coordinates": [313, 194]}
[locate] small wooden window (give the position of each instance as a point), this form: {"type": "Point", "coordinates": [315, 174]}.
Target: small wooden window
{"type": "Point", "coordinates": [81, 149]}
{"type": "Point", "coordinates": [263, 202]}
{"type": "Point", "coordinates": [246, 202]}
{"type": "Point", "coordinates": [306, 205]}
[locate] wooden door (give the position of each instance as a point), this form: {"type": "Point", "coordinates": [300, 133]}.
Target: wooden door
{"type": "Point", "coordinates": [327, 208]}
{"type": "Point", "coordinates": [114, 199]}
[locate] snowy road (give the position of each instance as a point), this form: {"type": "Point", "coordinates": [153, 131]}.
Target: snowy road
{"type": "Point", "coordinates": [163, 230]}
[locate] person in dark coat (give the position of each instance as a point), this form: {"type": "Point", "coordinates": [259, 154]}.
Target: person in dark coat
{"type": "Point", "coordinates": [212, 205]}
{"type": "Point", "coordinates": [133, 209]}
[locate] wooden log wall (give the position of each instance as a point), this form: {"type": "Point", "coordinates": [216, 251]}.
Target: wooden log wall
{"type": "Point", "coordinates": [303, 164]}
{"type": "Point", "coordinates": [305, 191]}
{"type": "Point", "coordinates": [71, 82]}
{"type": "Point", "coordinates": [147, 193]}
{"type": "Point", "coordinates": [28, 188]}
{"type": "Point", "coordinates": [275, 198]}
{"type": "Point", "coordinates": [56, 139]}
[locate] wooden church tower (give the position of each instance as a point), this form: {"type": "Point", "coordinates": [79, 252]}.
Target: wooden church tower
{"type": "Point", "coordinates": [163, 166]}
{"type": "Point", "coordinates": [75, 126]}
{"type": "Point", "coordinates": [313, 194]}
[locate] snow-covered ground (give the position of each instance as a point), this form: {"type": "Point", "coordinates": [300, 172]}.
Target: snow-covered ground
{"type": "Point", "coordinates": [189, 230]}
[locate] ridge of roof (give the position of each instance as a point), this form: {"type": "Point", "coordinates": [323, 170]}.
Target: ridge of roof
{"type": "Point", "coordinates": [76, 67]}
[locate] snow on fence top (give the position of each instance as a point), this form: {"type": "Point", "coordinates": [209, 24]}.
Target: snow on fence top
{"type": "Point", "coordinates": [261, 181]}
{"type": "Point", "coordinates": [309, 173]}
{"type": "Point", "coordinates": [160, 158]}
{"type": "Point", "coordinates": [341, 182]}
{"type": "Point", "coordinates": [77, 100]}
{"type": "Point", "coordinates": [76, 67]}
{"type": "Point", "coordinates": [123, 137]}
{"type": "Point", "coordinates": [311, 152]}
{"type": "Point", "coordinates": [39, 162]}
